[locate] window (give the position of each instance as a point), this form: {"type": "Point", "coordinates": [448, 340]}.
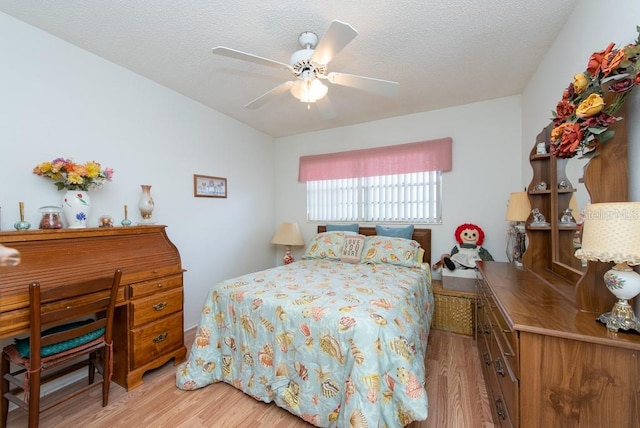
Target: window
{"type": "Point", "coordinates": [401, 183]}
{"type": "Point", "coordinates": [407, 198]}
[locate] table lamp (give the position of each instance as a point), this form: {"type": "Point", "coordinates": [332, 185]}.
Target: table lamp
{"type": "Point", "coordinates": [611, 233]}
{"type": "Point", "coordinates": [518, 211]}
{"type": "Point", "coordinates": [288, 234]}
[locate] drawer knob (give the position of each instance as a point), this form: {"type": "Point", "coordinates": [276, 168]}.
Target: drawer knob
{"type": "Point", "coordinates": [159, 306]}
{"type": "Point", "coordinates": [160, 285]}
{"type": "Point", "coordinates": [499, 367]}
{"type": "Point", "coordinates": [161, 337]}
{"type": "Point", "coordinates": [500, 408]}
{"type": "Point", "coordinates": [487, 359]}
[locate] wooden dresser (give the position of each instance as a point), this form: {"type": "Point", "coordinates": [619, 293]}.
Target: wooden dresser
{"type": "Point", "coordinates": [547, 364]}
{"type": "Point", "coordinates": [148, 328]}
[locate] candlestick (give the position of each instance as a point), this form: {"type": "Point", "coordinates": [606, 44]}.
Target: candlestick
{"type": "Point", "coordinates": [22, 225]}
{"type": "Point", "coordinates": [126, 222]}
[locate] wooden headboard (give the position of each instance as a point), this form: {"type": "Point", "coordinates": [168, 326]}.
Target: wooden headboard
{"type": "Point", "coordinates": [422, 236]}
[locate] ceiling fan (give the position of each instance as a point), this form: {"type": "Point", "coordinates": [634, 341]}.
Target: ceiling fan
{"type": "Point", "coordinates": [309, 68]}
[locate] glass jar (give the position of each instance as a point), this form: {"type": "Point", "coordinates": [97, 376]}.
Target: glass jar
{"type": "Point", "coordinates": [51, 217]}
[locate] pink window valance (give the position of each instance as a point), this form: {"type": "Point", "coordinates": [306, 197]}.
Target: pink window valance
{"type": "Point", "coordinates": [432, 155]}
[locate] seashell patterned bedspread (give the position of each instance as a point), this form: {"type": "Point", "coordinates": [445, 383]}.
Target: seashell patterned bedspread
{"type": "Point", "coordinates": [338, 344]}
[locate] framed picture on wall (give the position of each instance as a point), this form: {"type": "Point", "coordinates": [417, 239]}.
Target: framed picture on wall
{"type": "Point", "coordinates": [205, 186]}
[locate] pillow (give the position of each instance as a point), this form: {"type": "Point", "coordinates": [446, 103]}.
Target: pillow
{"type": "Point", "coordinates": [343, 227]}
{"type": "Point", "coordinates": [325, 245]}
{"type": "Point", "coordinates": [405, 232]}
{"type": "Point", "coordinates": [420, 255]}
{"type": "Point", "coordinates": [352, 250]}
{"type": "Point", "coordinates": [395, 251]}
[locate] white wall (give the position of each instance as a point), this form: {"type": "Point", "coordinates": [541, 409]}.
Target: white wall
{"type": "Point", "coordinates": [486, 152]}
{"type": "Point", "coordinates": [57, 100]}
{"type": "Point", "coordinates": [591, 27]}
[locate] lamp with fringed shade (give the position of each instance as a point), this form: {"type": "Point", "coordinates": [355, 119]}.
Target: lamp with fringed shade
{"type": "Point", "coordinates": [611, 233]}
{"type": "Point", "coordinates": [288, 234]}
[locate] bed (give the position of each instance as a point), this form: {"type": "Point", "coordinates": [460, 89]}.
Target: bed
{"type": "Point", "coordinates": [335, 338]}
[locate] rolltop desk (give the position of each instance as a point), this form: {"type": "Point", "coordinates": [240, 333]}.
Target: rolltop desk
{"type": "Point", "coordinates": [148, 326]}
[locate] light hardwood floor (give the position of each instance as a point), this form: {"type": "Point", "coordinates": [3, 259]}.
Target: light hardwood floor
{"type": "Point", "coordinates": [455, 387]}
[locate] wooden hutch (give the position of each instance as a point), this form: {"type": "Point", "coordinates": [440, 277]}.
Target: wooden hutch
{"type": "Point", "coordinates": [546, 360]}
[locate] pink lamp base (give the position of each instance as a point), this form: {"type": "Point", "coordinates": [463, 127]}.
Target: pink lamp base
{"type": "Point", "coordinates": [288, 257]}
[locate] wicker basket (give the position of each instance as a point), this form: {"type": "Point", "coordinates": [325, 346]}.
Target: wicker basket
{"type": "Point", "coordinates": [454, 313]}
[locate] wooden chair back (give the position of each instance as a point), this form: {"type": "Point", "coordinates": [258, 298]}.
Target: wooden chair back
{"type": "Point", "coordinates": [58, 310]}
{"type": "Point", "coordinates": [69, 302]}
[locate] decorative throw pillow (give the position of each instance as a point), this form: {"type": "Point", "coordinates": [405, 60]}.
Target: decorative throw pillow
{"type": "Point", "coordinates": [343, 227]}
{"type": "Point", "coordinates": [325, 245]}
{"type": "Point", "coordinates": [352, 250]}
{"type": "Point", "coordinates": [395, 251]}
{"type": "Point", "coordinates": [405, 232]}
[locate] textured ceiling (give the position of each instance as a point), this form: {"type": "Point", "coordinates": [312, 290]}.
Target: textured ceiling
{"type": "Point", "coordinates": [442, 52]}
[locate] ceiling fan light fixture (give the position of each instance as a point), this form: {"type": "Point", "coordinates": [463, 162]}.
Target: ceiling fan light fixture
{"type": "Point", "coordinates": [308, 90]}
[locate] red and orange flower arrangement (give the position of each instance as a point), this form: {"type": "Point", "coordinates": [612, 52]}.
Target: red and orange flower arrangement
{"type": "Point", "coordinates": [582, 117]}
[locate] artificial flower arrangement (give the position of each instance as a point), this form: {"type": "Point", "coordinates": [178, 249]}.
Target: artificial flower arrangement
{"type": "Point", "coordinates": [582, 117]}
{"type": "Point", "coordinates": [69, 175]}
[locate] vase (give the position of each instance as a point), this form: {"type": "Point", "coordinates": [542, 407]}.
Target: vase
{"type": "Point", "coordinates": [75, 207]}
{"type": "Point", "coordinates": [145, 204]}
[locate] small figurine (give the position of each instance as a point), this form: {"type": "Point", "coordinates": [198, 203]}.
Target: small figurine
{"type": "Point", "coordinates": [563, 185]}
{"type": "Point", "coordinates": [541, 148]}
{"type": "Point", "coordinates": [567, 218]}
{"type": "Point", "coordinates": [468, 250]}
{"type": "Point", "coordinates": [538, 218]}
{"type": "Point", "coordinates": [541, 186]}
{"type": "Point", "coordinates": [106, 221]}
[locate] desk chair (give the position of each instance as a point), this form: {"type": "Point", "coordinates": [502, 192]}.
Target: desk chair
{"type": "Point", "coordinates": [71, 326]}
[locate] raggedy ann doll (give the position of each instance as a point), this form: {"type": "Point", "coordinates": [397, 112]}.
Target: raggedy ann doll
{"type": "Point", "coordinates": [467, 251]}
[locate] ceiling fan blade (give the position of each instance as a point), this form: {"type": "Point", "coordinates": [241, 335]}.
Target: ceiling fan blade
{"type": "Point", "coordinates": [232, 53]}
{"type": "Point", "coordinates": [326, 108]}
{"type": "Point", "coordinates": [382, 87]}
{"type": "Point", "coordinates": [268, 96]}
{"type": "Point", "coordinates": [335, 39]}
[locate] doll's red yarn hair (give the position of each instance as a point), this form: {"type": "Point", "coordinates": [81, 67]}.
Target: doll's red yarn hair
{"type": "Point", "coordinates": [475, 227]}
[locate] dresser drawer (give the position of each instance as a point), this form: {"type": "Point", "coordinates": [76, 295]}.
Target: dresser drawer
{"type": "Point", "coordinates": [156, 306]}
{"type": "Point", "coordinates": [154, 339]}
{"type": "Point", "coordinates": [140, 289]}
{"type": "Point", "coordinates": [506, 378]}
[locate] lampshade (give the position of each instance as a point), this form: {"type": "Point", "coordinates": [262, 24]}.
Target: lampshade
{"type": "Point", "coordinates": [573, 204]}
{"type": "Point", "coordinates": [611, 233]}
{"type": "Point", "coordinates": [308, 90]}
{"type": "Point", "coordinates": [519, 207]}
{"type": "Point", "coordinates": [288, 234]}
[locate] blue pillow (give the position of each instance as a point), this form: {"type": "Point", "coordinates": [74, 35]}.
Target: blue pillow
{"type": "Point", "coordinates": [343, 227]}
{"type": "Point", "coordinates": [405, 232]}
